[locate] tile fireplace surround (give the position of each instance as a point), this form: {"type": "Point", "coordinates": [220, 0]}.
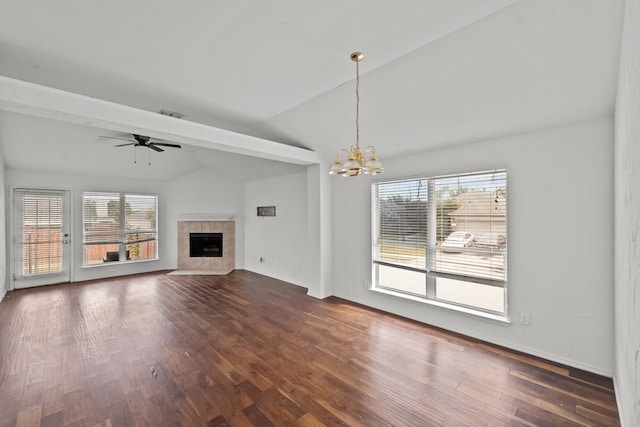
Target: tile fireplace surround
{"type": "Point", "coordinates": [218, 265]}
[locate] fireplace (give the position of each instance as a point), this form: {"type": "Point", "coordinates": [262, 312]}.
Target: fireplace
{"type": "Point", "coordinates": [208, 239]}
{"type": "Point", "coordinates": [205, 245]}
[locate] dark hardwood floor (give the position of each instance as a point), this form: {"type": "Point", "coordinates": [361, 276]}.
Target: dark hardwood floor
{"type": "Point", "coordinates": [247, 350]}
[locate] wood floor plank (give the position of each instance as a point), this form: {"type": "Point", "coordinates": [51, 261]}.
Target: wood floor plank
{"type": "Point", "coordinates": [248, 350]}
{"type": "Point", "coordinates": [29, 417]}
{"type": "Point", "coordinates": [52, 420]}
{"type": "Point", "coordinates": [308, 420]}
{"type": "Point", "coordinates": [219, 421]}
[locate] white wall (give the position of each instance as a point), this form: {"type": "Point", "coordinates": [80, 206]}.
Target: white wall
{"type": "Point", "coordinates": [204, 193]}
{"type": "Point", "coordinates": [319, 235]}
{"type": "Point", "coordinates": [627, 222]}
{"type": "Point", "coordinates": [560, 241]}
{"type": "Point", "coordinates": [281, 240]}
{"type": "Point", "coordinates": [3, 234]}
{"type": "Point", "coordinates": [77, 184]}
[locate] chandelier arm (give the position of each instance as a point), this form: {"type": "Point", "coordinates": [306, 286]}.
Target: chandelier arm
{"type": "Point", "coordinates": [340, 151]}
{"type": "Point", "coordinates": [371, 150]}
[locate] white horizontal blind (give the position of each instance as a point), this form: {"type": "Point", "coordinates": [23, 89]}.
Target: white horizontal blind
{"type": "Point", "coordinates": [400, 223]}
{"type": "Point", "coordinates": [101, 218]}
{"type": "Point", "coordinates": [38, 231]}
{"type": "Point", "coordinates": [119, 223]}
{"type": "Point", "coordinates": [471, 225]}
{"type": "Point", "coordinates": [140, 218]}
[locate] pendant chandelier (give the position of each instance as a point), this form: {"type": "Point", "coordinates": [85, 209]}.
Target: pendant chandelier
{"type": "Point", "coordinates": [357, 161]}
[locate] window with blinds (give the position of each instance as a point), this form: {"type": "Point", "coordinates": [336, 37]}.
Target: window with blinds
{"type": "Point", "coordinates": [443, 238]}
{"type": "Point", "coordinates": [119, 227]}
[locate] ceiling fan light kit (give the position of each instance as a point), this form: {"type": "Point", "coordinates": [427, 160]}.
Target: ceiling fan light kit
{"type": "Point", "coordinates": [357, 161]}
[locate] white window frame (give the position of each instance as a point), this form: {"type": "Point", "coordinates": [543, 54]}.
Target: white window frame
{"type": "Point", "coordinates": [122, 233]}
{"type": "Point", "coordinates": [429, 271]}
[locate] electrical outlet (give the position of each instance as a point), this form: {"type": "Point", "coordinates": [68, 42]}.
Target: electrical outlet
{"type": "Point", "coordinates": [524, 318]}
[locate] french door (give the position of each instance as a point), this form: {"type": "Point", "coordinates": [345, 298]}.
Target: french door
{"type": "Point", "coordinates": [41, 235]}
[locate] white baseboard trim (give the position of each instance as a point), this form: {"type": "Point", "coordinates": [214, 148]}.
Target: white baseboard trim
{"type": "Point", "coordinates": [618, 403]}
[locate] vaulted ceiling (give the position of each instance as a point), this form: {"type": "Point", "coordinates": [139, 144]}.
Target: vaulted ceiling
{"type": "Point", "coordinates": [436, 72]}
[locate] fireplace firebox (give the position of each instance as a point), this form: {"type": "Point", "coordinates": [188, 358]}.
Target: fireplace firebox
{"type": "Point", "coordinates": [205, 245]}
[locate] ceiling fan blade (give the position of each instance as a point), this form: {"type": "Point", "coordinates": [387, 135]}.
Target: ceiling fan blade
{"type": "Point", "coordinates": [167, 144]}
{"type": "Point", "coordinates": [153, 147]}
{"type": "Point", "coordinates": [114, 137]}
{"type": "Point", "coordinates": [124, 145]}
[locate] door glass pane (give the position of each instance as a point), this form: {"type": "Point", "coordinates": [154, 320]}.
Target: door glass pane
{"type": "Point", "coordinates": [39, 232]}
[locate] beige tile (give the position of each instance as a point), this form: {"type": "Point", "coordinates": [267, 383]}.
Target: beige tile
{"type": "Point", "coordinates": [228, 264]}
{"type": "Point", "coordinates": [195, 226]}
{"type": "Point", "coordinates": [186, 264]}
{"type": "Point", "coordinates": [230, 251]}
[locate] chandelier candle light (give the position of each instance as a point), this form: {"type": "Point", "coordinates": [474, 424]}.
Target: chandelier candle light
{"type": "Point", "coordinates": [358, 161]}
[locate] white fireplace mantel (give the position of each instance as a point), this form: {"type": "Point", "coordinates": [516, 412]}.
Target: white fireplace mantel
{"type": "Point", "coordinates": [206, 217]}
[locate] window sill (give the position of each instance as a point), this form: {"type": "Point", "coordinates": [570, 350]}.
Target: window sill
{"type": "Point", "coordinates": [112, 263]}
{"type": "Point", "coordinates": [468, 311]}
